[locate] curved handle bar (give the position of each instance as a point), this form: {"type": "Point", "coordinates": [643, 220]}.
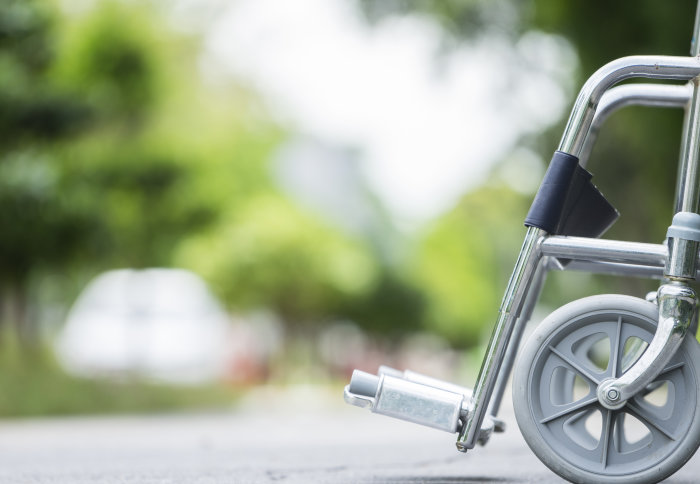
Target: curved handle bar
{"type": "Point", "coordinates": [654, 95]}
{"type": "Point", "coordinates": [645, 66]}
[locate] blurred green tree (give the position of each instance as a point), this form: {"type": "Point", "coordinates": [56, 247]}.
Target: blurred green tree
{"type": "Point", "coordinates": [270, 254]}
{"type": "Point", "coordinates": [113, 148]}
{"type": "Point", "coordinates": [39, 227]}
{"type": "Point", "coordinates": [162, 167]}
{"type": "Point", "coordinates": [129, 171]}
{"type": "Point", "coordinates": [464, 258]}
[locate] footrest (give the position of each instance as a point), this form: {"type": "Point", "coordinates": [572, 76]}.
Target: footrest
{"type": "Point", "coordinates": [407, 400]}
{"type": "Point", "coordinates": [417, 398]}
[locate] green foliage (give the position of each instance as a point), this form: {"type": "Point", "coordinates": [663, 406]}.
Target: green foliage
{"type": "Point", "coordinates": [620, 28]}
{"type": "Point", "coordinates": [114, 59]}
{"type": "Point", "coordinates": [392, 307]}
{"type": "Point", "coordinates": [113, 149]}
{"type": "Point", "coordinates": [31, 108]}
{"type": "Point", "coordinates": [271, 254]}
{"type": "Point", "coordinates": [168, 154]}
{"type": "Point", "coordinates": [24, 26]}
{"type": "Point", "coordinates": [117, 153]}
{"type": "Point", "coordinates": [39, 229]}
{"type": "Point", "coordinates": [33, 384]}
{"type": "Point", "coordinates": [463, 261]}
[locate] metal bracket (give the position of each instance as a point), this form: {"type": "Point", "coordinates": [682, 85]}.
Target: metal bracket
{"type": "Point", "coordinates": [677, 306]}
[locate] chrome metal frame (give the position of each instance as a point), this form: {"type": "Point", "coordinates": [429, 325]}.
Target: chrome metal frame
{"type": "Point", "coordinates": [537, 243]}
{"type": "Point", "coordinates": [677, 304]}
{"type": "Point", "coordinates": [652, 95]}
{"type": "Point", "coordinates": [651, 67]}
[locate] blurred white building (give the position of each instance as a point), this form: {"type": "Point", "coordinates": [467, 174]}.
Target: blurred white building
{"type": "Point", "coordinates": [161, 324]}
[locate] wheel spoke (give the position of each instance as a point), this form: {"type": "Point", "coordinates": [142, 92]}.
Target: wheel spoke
{"type": "Point", "coordinates": [650, 419]}
{"type": "Point", "coordinates": [606, 437]}
{"type": "Point", "coordinates": [619, 430]}
{"type": "Point", "coordinates": [670, 368]}
{"type": "Point", "coordinates": [575, 366]}
{"type": "Point", "coordinates": [569, 409]}
{"type": "Point", "coordinates": [616, 349]}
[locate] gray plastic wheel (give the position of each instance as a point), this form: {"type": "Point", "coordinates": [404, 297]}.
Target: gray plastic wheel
{"type": "Point", "coordinates": [554, 395]}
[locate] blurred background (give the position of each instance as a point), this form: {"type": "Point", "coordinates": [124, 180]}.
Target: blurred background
{"type": "Point", "coordinates": [201, 196]}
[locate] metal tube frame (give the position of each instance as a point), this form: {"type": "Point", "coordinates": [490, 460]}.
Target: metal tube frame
{"type": "Point", "coordinates": [653, 95]}
{"type": "Point", "coordinates": [677, 261]}
{"type": "Point", "coordinates": [589, 255]}
{"type": "Point", "coordinates": [532, 297]}
{"type": "Point", "coordinates": [537, 243]}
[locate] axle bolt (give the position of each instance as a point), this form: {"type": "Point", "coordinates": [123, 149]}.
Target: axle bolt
{"type": "Point", "coordinates": [613, 395]}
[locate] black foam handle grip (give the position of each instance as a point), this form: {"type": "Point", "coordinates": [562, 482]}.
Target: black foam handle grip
{"type": "Point", "coordinates": [546, 210]}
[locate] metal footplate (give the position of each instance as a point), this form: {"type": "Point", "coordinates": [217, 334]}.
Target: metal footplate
{"type": "Point", "coordinates": [417, 398]}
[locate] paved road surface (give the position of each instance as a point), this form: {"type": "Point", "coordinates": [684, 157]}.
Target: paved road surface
{"type": "Point", "coordinates": [301, 436]}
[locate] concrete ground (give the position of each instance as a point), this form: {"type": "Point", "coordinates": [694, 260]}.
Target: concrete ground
{"type": "Point", "coordinates": [303, 435]}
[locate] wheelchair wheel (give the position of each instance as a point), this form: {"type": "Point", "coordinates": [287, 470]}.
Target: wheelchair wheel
{"type": "Point", "coordinates": [554, 395]}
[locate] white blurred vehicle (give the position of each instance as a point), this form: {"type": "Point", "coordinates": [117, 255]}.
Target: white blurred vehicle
{"type": "Point", "coordinates": [161, 324]}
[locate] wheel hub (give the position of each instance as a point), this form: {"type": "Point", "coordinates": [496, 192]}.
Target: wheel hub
{"type": "Point", "coordinates": [609, 396]}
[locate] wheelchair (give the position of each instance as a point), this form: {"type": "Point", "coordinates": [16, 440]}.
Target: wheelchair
{"type": "Point", "coordinates": [606, 388]}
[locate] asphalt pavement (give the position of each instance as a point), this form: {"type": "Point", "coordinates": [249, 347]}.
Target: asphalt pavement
{"type": "Point", "coordinates": [297, 435]}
